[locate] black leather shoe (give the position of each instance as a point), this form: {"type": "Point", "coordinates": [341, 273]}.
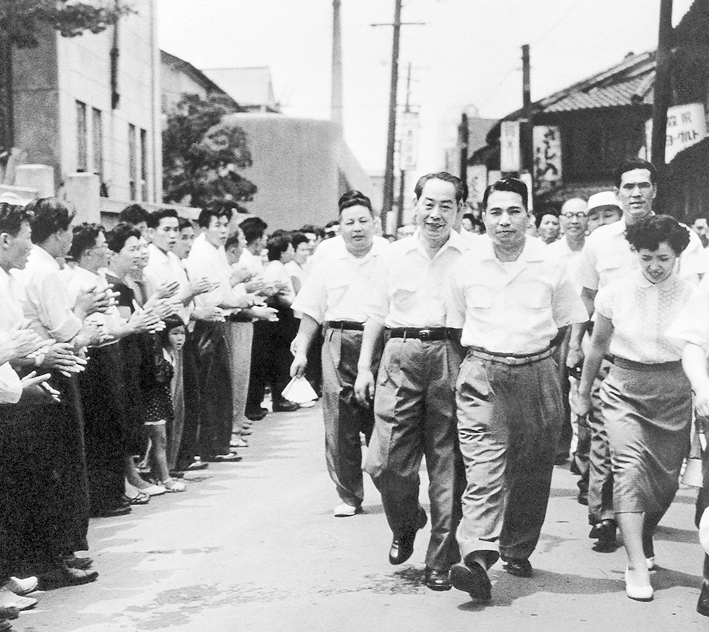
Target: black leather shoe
{"type": "Point", "coordinates": [285, 406]}
{"type": "Point", "coordinates": [256, 415]}
{"type": "Point", "coordinates": [65, 576]}
{"type": "Point", "coordinates": [437, 580]}
{"type": "Point", "coordinates": [518, 568]}
{"type": "Point", "coordinates": [605, 532]}
{"type": "Point", "coordinates": [111, 512]}
{"type": "Point", "coordinates": [402, 547]}
{"type": "Point", "coordinates": [81, 563]}
{"type": "Point", "coordinates": [703, 603]}
{"type": "Point", "coordinates": [471, 578]}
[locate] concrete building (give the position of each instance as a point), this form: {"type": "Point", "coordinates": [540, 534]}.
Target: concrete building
{"type": "Point", "coordinates": [178, 77]}
{"type": "Point", "coordinates": [300, 166]}
{"type": "Point", "coordinates": [90, 104]}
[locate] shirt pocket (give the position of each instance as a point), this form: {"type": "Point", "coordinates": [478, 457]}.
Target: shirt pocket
{"type": "Point", "coordinates": [608, 269]}
{"type": "Point", "coordinates": [478, 297]}
{"type": "Point", "coordinates": [536, 296]}
{"type": "Point", "coordinates": [335, 289]}
{"type": "Point", "coordinates": [402, 292]}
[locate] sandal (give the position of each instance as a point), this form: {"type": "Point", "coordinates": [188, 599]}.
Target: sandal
{"type": "Point", "coordinates": [139, 499]}
{"type": "Point", "coordinates": [173, 486]}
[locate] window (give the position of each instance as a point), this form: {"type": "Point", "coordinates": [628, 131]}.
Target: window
{"type": "Point", "coordinates": [97, 141]}
{"type": "Point", "coordinates": [82, 140]}
{"type": "Point", "coordinates": [132, 162]}
{"type": "Point", "coordinates": [143, 165]}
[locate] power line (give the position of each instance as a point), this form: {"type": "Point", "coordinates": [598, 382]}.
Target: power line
{"type": "Point", "coordinates": [557, 23]}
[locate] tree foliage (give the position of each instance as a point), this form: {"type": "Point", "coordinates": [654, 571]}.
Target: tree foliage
{"type": "Point", "coordinates": [20, 20]}
{"type": "Point", "coordinates": [202, 156]}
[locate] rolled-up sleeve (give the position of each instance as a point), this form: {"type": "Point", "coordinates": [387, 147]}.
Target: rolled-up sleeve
{"type": "Point", "coordinates": [54, 309]}
{"type": "Point", "coordinates": [312, 298]}
{"type": "Point", "coordinates": [376, 306]}
{"type": "Point", "coordinates": [455, 300]}
{"type": "Point", "coordinates": [10, 385]}
{"type": "Point", "coordinates": [567, 306]}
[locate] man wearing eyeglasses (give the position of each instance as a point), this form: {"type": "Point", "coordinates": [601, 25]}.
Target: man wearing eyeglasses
{"type": "Point", "coordinates": [567, 252]}
{"type": "Point", "coordinates": [607, 256]}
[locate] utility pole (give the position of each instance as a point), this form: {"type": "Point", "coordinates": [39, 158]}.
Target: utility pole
{"type": "Point", "coordinates": [388, 198]}
{"type": "Point", "coordinates": [402, 173]}
{"type": "Point", "coordinates": [525, 132]}
{"type": "Point", "coordinates": [336, 101]}
{"type": "Point", "coordinates": [663, 85]}
{"type": "Point", "coordinates": [463, 138]}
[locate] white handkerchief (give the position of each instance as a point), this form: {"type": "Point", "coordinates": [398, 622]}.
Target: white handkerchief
{"type": "Point", "coordinates": [299, 391]}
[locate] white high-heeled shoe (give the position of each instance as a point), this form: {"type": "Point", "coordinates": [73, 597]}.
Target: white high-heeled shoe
{"type": "Point", "coordinates": [650, 563]}
{"type": "Point", "coordinates": [636, 592]}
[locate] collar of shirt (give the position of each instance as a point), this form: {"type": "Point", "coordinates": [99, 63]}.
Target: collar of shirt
{"type": "Point", "coordinates": [534, 250]}
{"type": "Point", "coordinates": [454, 241]}
{"type": "Point", "coordinates": [40, 259]}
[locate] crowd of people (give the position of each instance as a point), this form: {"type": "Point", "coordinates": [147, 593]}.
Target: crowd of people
{"type": "Point", "coordinates": [493, 342]}
{"type": "Point", "coordinates": [128, 357]}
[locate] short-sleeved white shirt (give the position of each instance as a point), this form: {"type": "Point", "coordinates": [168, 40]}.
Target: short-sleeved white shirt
{"type": "Point", "coordinates": [408, 288]}
{"type": "Point", "coordinates": [516, 307]}
{"type": "Point", "coordinates": [607, 256]}
{"type": "Point", "coordinates": [641, 313]}
{"type": "Point", "coordinates": [338, 286]}
{"type": "Point", "coordinates": [692, 322]}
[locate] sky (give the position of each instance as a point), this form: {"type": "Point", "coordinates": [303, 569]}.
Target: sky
{"type": "Point", "coordinates": [466, 57]}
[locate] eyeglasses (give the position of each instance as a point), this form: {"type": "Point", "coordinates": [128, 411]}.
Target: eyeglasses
{"type": "Point", "coordinates": [578, 214]}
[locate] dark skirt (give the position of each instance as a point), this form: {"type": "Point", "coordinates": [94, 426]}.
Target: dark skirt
{"type": "Point", "coordinates": [44, 503]}
{"type": "Point", "coordinates": [648, 418]}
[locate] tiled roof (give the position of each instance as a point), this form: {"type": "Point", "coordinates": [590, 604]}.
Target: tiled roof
{"type": "Point", "coordinates": [627, 83]}
{"type": "Point", "coordinates": [619, 94]}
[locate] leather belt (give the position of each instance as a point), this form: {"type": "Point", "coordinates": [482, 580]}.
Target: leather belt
{"type": "Point", "coordinates": [624, 363]}
{"type": "Point", "coordinates": [510, 359]}
{"type": "Point", "coordinates": [426, 333]}
{"type": "Point", "coordinates": [239, 318]}
{"type": "Point", "coordinates": [344, 324]}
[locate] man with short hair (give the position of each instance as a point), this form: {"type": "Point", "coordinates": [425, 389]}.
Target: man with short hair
{"type": "Point", "coordinates": [59, 463]}
{"type": "Point", "coordinates": [207, 260]}
{"type": "Point", "coordinates": [414, 405]}
{"type": "Point", "coordinates": [513, 304]}
{"type": "Point", "coordinates": [566, 251]}
{"type": "Point", "coordinates": [136, 215]}
{"type": "Point", "coordinates": [333, 297]}
{"type": "Point", "coordinates": [607, 256]}
{"type": "Point", "coordinates": [700, 227]}
{"type": "Point", "coordinates": [254, 229]}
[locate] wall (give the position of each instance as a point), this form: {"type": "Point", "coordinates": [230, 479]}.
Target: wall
{"type": "Point", "coordinates": [295, 167]}
{"type": "Point", "coordinates": [50, 80]}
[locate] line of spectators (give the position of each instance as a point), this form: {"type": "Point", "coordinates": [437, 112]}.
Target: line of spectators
{"type": "Point", "coordinates": [127, 358]}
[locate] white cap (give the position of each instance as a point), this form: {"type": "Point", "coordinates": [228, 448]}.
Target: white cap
{"type": "Point", "coordinates": [604, 198]}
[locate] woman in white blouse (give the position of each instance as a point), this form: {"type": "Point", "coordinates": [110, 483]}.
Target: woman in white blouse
{"type": "Point", "coordinates": [646, 399]}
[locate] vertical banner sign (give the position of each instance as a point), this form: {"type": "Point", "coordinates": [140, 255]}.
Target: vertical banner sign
{"type": "Point", "coordinates": [509, 146]}
{"type": "Point", "coordinates": [477, 183]}
{"type": "Point", "coordinates": [526, 177]}
{"type": "Point", "coordinates": [686, 126]}
{"type": "Point", "coordinates": [409, 141]}
{"type": "Point", "coordinates": [547, 158]}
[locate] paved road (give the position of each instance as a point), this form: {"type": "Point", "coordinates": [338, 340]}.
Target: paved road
{"type": "Point", "coordinates": [253, 546]}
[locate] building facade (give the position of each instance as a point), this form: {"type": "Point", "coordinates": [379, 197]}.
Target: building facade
{"type": "Point", "coordinates": [91, 104]}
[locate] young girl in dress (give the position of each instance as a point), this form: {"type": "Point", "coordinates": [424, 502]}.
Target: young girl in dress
{"type": "Point", "coordinates": [158, 399]}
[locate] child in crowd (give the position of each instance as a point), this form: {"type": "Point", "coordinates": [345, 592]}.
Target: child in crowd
{"type": "Point", "coordinates": [158, 399]}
